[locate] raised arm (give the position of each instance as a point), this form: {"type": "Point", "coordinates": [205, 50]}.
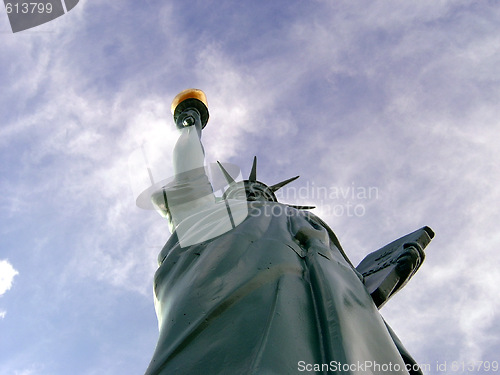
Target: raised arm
{"type": "Point", "coordinates": [190, 191]}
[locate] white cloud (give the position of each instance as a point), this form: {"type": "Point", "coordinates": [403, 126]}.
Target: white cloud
{"type": "Point", "coordinates": [24, 372]}
{"type": "Point", "coordinates": [7, 274]}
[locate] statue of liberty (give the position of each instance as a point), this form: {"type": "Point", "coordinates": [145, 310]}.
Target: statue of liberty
{"type": "Point", "coordinates": [250, 285]}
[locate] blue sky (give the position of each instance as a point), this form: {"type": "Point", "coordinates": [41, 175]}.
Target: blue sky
{"type": "Point", "coordinates": [398, 96]}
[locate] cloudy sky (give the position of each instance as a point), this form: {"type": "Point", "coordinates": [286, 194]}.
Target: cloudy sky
{"type": "Point", "coordinates": [395, 99]}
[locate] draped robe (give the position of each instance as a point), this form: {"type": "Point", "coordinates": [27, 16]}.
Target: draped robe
{"type": "Point", "coordinates": [274, 295]}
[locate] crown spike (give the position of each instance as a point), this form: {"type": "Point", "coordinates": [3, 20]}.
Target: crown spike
{"type": "Point", "coordinates": [253, 173]}
{"type": "Point", "coordinates": [228, 177]}
{"type": "Point", "coordinates": [279, 185]}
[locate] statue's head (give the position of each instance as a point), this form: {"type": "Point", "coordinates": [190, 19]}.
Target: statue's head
{"type": "Point", "coordinates": [250, 191]}
{"type": "Point", "coordinates": [253, 190]}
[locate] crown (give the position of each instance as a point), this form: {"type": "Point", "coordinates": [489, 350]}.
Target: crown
{"type": "Point", "coordinates": [254, 190]}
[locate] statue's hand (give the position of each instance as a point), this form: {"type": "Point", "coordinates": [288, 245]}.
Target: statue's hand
{"type": "Point", "coordinates": [188, 119]}
{"type": "Point", "coordinates": [408, 261]}
{"type": "Point", "coordinates": [389, 268]}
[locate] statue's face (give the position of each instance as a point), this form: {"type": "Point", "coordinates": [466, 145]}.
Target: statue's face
{"type": "Point", "coordinates": [251, 191]}
{"type": "Point", "coordinates": [256, 191]}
